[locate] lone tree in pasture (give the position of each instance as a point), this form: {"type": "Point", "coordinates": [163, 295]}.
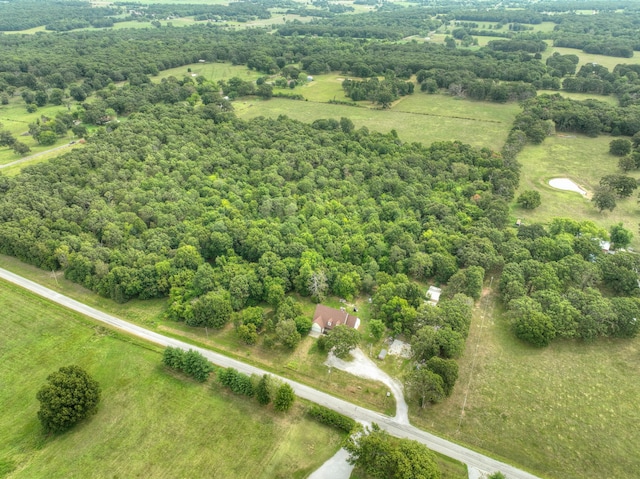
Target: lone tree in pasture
{"type": "Point", "coordinates": [529, 199]}
{"type": "Point", "coordinates": [69, 396]}
{"type": "Point", "coordinates": [620, 147]}
{"type": "Point", "coordinates": [604, 199]}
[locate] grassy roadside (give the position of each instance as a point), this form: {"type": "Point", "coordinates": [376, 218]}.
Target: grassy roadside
{"type": "Point", "coordinates": [150, 423]}
{"type": "Point", "coordinates": [304, 364]}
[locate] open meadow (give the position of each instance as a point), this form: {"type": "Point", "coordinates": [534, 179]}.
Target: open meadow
{"type": "Point", "coordinates": [411, 117]}
{"type": "Point", "coordinates": [15, 118]}
{"type": "Point", "coordinates": [150, 422]}
{"type": "Point", "coordinates": [567, 411]}
{"type": "Point", "coordinates": [584, 160]}
{"type": "Point", "coordinates": [211, 71]}
{"type": "Point", "coordinates": [607, 61]}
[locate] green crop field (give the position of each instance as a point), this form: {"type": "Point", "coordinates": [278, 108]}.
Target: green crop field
{"type": "Point", "coordinates": [583, 160]}
{"type": "Point", "coordinates": [567, 411]}
{"type": "Point", "coordinates": [150, 422]}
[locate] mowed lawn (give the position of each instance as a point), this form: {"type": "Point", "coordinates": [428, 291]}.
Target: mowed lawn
{"type": "Point", "coordinates": [150, 423]}
{"type": "Point", "coordinates": [584, 160]}
{"type": "Point", "coordinates": [568, 411]}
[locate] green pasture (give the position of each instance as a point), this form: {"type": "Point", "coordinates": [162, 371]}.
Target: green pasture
{"type": "Point", "coordinates": [304, 364]}
{"type": "Point", "coordinates": [323, 88]}
{"type": "Point", "coordinates": [210, 71]}
{"type": "Point", "coordinates": [567, 411]}
{"type": "Point", "coordinates": [609, 62]}
{"type": "Point", "coordinates": [584, 160]}
{"type": "Point", "coordinates": [448, 106]}
{"type": "Point", "coordinates": [610, 99]}
{"type": "Point", "coordinates": [150, 422]}
{"type": "Point", "coordinates": [29, 31]}
{"type": "Point", "coordinates": [420, 125]}
{"type": "Point", "coordinates": [183, 2]}
{"type": "Point", "coordinates": [15, 118]}
{"type": "Point", "coordinates": [16, 166]}
{"type": "Point", "coordinates": [275, 20]}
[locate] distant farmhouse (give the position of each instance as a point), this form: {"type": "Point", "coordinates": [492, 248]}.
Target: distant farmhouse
{"type": "Point", "coordinates": [326, 318]}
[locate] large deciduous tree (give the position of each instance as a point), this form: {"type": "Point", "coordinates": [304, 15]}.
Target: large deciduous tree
{"type": "Point", "coordinates": [342, 339]}
{"type": "Point", "coordinates": [529, 199]}
{"type": "Point", "coordinates": [69, 396]}
{"type": "Point", "coordinates": [382, 456]}
{"type": "Point", "coordinates": [604, 199]}
{"type": "Point", "coordinates": [425, 385]}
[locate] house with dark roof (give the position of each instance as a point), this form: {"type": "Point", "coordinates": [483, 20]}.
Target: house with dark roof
{"type": "Point", "coordinates": [326, 318]}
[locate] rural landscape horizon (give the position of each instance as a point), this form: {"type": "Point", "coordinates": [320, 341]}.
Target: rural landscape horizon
{"type": "Point", "coordinates": [319, 239]}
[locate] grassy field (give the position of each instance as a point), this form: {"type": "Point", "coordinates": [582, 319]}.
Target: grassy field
{"type": "Point", "coordinates": [150, 423]}
{"type": "Point", "coordinates": [304, 364]}
{"type": "Point", "coordinates": [609, 62]}
{"type": "Point", "coordinates": [610, 99]}
{"type": "Point", "coordinates": [584, 160]}
{"type": "Point", "coordinates": [210, 71]}
{"type": "Point", "coordinates": [13, 169]}
{"type": "Point", "coordinates": [15, 118]}
{"type": "Point", "coordinates": [567, 411]}
{"type": "Point", "coordinates": [412, 117]}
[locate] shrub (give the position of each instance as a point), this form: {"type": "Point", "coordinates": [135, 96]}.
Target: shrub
{"type": "Point", "coordinates": [331, 418]}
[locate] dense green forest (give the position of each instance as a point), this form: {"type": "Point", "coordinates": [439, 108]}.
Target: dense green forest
{"type": "Point", "coordinates": [187, 201]}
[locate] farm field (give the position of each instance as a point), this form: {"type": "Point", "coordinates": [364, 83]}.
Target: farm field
{"type": "Point", "coordinates": [566, 411]}
{"type": "Point", "coordinates": [584, 160]}
{"type": "Point", "coordinates": [304, 364]}
{"type": "Point", "coordinates": [609, 62]}
{"type": "Point", "coordinates": [610, 99]}
{"type": "Point", "coordinates": [421, 127]}
{"type": "Point", "coordinates": [210, 71]}
{"type": "Point", "coordinates": [149, 423]}
{"type": "Point", "coordinates": [15, 118]}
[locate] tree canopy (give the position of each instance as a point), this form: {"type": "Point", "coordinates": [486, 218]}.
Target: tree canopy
{"type": "Point", "coordinates": [69, 396]}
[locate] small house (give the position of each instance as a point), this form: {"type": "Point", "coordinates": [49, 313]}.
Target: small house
{"type": "Point", "coordinates": [382, 355]}
{"type": "Point", "coordinates": [326, 318]}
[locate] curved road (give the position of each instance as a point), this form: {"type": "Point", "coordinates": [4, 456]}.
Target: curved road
{"type": "Point", "coordinates": [448, 448]}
